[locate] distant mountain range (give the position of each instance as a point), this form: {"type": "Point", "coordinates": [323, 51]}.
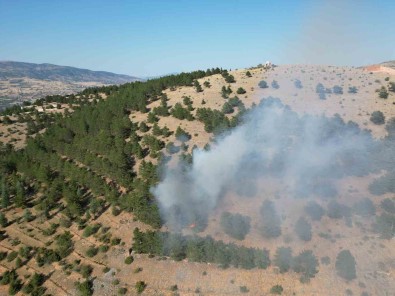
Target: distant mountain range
{"type": "Point", "coordinates": [21, 81]}
{"type": "Point", "coordinates": [9, 70]}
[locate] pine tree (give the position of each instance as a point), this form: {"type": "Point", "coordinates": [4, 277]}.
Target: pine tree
{"type": "Point", "coordinates": [5, 197]}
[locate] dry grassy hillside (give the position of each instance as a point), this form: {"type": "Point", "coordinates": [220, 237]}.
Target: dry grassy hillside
{"type": "Point", "coordinates": [375, 257]}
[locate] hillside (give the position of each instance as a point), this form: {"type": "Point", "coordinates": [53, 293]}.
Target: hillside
{"type": "Point", "coordinates": [389, 64]}
{"type": "Point", "coordinates": [256, 181]}
{"type": "Point", "coordinates": [27, 81]}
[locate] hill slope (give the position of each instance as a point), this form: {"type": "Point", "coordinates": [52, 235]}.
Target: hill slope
{"type": "Point", "coordinates": [26, 81]}
{"type": "Point", "coordinates": [71, 199]}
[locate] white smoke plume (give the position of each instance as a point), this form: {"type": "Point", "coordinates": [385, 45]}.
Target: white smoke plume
{"type": "Point", "coordinates": [308, 153]}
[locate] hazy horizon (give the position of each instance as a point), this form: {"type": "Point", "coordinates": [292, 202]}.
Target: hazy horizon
{"type": "Point", "coordinates": [155, 38]}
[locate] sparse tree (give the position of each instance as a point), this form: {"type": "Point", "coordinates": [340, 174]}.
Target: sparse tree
{"type": "Point", "coordinates": [263, 84]}
{"type": "Point", "coordinates": [303, 229]}
{"type": "Point", "coordinates": [377, 117]}
{"type": "Point", "coordinates": [283, 259]}
{"type": "Point", "coordinates": [240, 91]}
{"type": "Point", "coordinates": [345, 265]}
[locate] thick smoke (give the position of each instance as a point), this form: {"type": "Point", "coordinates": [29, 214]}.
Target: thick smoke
{"type": "Point", "coordinates": [308, 153]}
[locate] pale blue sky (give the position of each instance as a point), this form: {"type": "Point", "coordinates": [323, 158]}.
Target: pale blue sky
{"type": "Point", "coordinates": [144, 38]}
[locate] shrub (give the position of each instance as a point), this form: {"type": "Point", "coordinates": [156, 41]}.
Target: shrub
{"type": "Point", "coordinates": [314, 210]}
{"type": "Point", "coordinates": [275, 84]}
{"type": "Point", "coordinates": [174, 288]}
{"type": "Point", "coordinates": [352, 90]}
{"type": "Point", "coordinates": [383, 93]}
{"type": "Point", "coordinates": [11, 256]}
{"type": "Point", "coordinates": [140, 286]}
{"type": "Point", "coordinates": [263, 84]}
{"type": "Point", "coordinates": [377, 117]}
{"type": "Point", "coordinates": [91, 229]}
{"type": "Point", "coordinates": [283, 259]}
{"type": "Point", "coordinates": [143, 127]}
{"type": "Point", "coordinates": [306, 264]}
{"type": "Point", "coordinates": [271, 221]}
{"type": "Point", "coordinates": [248, 74]}
{"type": "Point", "coordinates": [345, 265]}
{"type": "Point", "coordinates": [235, 225]}
{"type": "Point", "coordinates": [122, 291]}
{"type": "Point", "coordinates": [319, 88]}
{"type": "Point", "coordinates": [85, 288]}
{"type": "Point", "coordinates": [388, 205]}
{"type": "Point", "coordinates": [298, 84]}
{"type": "Point", "coordinates": [197, 86]}
{"type": "Point", "coordinates": [86, 270]}
{"type": "Point", "coordinates": [227, 108]}
{"type": "Point", "coordinates": [385, 225]}
{"type": "Point", "coordinates": [129, 260]}
{"type": "Point", "coordinates": [182, 135]}
{"type": "Point", "coordinates": [3, 220]}
{"type": "Point", "coordinates": [240, 91]}
{"type": "Point", "coordinates": [92, 251]}
{"type": "Point", "coordinates": [230, 79]}
{"type": "Point", "coordinates": [364, 207]}
{"type": "Point", "coordinates": [336, 210]}
{"type": "Point", "coordinates": [181, 113]}
{"type": "Point", "coordinates": [337, 90]}
{"type": "Point", "coordinates": [243, 289]}
{"type": "Point", "coordinates": [303, 229]}
{"type": "Point", "coordinates": [277, 290]}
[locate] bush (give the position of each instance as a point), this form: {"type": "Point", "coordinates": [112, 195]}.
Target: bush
{"type": "Point", "coordinates": [248, 74]}
{"type": "Point", "coordinates": [377, 117]}
{"type": "Point", "coordinates": [182, 135]}
{"type": "Point", "coordinates": [385, 225]}
{"type": "Point", "coordinates": [86, 270]}
{"type": "Point", "coordinates": [271, 222]}
{"type": "Point", "coordinates": [85, 288]}
{"type": "Point", "coordinates": [352, 90]}
{"type": "Point", "coordinates": [11, 256]}
{"type": "Point", "coordinates": [283, 259]}
{"type": "Point", "coordinates": [241, 91]}
{"type": "Point", "coordinates": [303, 229]}
{"type": "Point", "coordinates": [277, 290]}
{"type": "Point", "coordinates": [3, 220]}
{"type": "Point", "coordinates": [314, 210]}
{"type": "Point", "coordinates": [298, 84]}
{"type": "Point", "coordinates": [383, 93]}
{"type": "Point", "coordinates": [243, 289]}
{"type": "Point", "coordinates": [306, 264]}
{"type": "Point", "coordinates": [365, 207]}
{"type": "Point", "coordinates": [337, 211]}
{"type": "Point", "coordinates": [129, 260]}
{"type": "Point", "coordinates": [227, 108]}
{"type": "Point", "coordinates": [275, 84]}
{"type": "Point", "coordinates": [140, 286]}
{"type": "Point", "coordinates": [235, 225]}
{"type": "Point", "coordinates": [337, 90]}
{"type": "Point", "coordinates": [388, 205]}
{"type": "Point", "coordinates": [345, 265]}
{"type": "Point", "coordinates": [92, 251]}
{"type": "Point", "coordinates": [230, 79]}
{"type": "Point", "coordinates": [91, 229]}
{"type": "Point", "coordinates": [263, 84]}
